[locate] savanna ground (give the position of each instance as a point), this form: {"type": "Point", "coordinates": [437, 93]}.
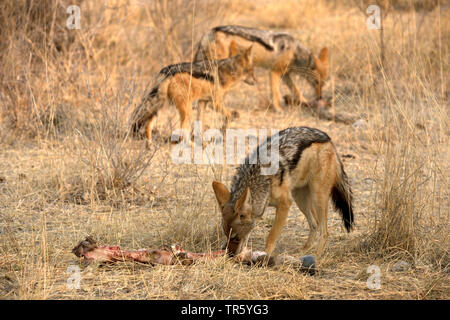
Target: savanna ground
{"type": "Point", "coordinates": [69, 168]}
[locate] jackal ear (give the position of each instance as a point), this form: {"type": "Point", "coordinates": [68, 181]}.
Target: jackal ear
{"type": "Point", "coordinates": [248, 51]}
{"type": "Point", "coordinates": [222, 193]}
{"type": "Point", "coordinates": [233, 48]}
{"type": "Point", "coordinates": [244, 200]}
{"type": "Point", "coordinates": [321, 63]}
{"type": "Point", "coordinates": [323, 55]}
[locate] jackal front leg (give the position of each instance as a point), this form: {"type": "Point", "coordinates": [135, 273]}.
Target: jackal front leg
{"type": "Point", "coordinates": [297, 95]}
{"type": "Point", "coordinates": [201, 109]}
{"type": "Point", "coordinates": [148, 131]}
{"type": "Point", "coordinates": [275, 78]}
{"type": "Point", "coordinates": [242, 250]}
{"type": "Point", "coordinates": [280, 220]}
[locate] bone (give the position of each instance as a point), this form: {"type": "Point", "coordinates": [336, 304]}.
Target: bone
{"type": "Point", "coordinates": [89, 251]}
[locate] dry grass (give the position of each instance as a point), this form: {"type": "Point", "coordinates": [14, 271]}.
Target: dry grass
{"type": "Point", "coordinates": [68, 167]}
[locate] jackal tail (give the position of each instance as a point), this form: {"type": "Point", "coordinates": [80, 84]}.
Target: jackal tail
{"type": "Point", "coordinates": [341, 194]}
{"type": "Point", "coordinates": [143, 113]}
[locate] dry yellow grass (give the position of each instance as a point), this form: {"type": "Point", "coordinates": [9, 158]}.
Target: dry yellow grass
{"type": "Point", "coordinates": [68, 168]}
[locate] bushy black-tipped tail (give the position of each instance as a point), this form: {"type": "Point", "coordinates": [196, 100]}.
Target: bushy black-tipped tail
{"type": "Point", "coordinates": [342, 198]}
{"type": "Point", "coordinates": [142, 113]}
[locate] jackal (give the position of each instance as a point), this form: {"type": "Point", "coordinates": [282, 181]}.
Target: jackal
{"type": "Point", "coordinates": [309, 173]}
{"type": "Point", "coordinates": [186, 82]}
{"type": "Point", "coordinates": [279, 52]}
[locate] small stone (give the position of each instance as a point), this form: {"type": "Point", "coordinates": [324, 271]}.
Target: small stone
{"type": "Point", "coordinates": [308, 264]}
{"type": "Point", "coordinates": [400, 266]}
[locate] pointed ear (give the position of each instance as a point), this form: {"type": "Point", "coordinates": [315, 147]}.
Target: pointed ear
{"type": "Point", "coordinates": [222, 193]}
{"type": "Point", "coordinates": [248, 51]}
{"type": "Point", "coordinates": [323, 55]}
{"type": "Point", "coordinates": [322, 63]}
{"type": "Point", "coordinates": [244, 200]}
{"type": "Point", "coordinates": [233, 48]}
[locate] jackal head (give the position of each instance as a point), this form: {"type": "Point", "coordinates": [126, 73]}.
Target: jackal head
{"type": "Point", "coordinates": [237, 219]}
{"type": "Point", "coordinates": [317, 71]}
{"type": "Point", "coordinates": [244, 62]}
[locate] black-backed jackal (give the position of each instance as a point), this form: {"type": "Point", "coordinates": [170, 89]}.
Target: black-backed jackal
{"type": "Point", "coordinates": [309, 173]}
{"type": "Point", "coordinates": [183, 83]}
{"type": "Point", "coordinates": [279, 52]}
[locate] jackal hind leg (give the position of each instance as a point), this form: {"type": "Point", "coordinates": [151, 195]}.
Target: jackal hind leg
{"type": "Point", "coordinates": [149, 119]}
{"type": "Point", "coordinates": [302, 197]}
{"type": "Point", "coordinates": [218, 105]}
{"type": "Point", "coordinates": [320, 197]}
{"type": "Point", "coordinates": [185, 110]}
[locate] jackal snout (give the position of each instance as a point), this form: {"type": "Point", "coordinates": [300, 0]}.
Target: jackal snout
{"type": "Point", "coordinates": [246, 62]}
{"type": "Point", "coordinates": [237, 220]}
{"type": "Point", "coordinates": [319, 72]}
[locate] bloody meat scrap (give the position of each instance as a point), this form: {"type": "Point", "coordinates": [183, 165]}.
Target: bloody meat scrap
{"type": "Point", "coordinates": [171, 255]}
{"type": "Point", "coordinates": [166, 255]}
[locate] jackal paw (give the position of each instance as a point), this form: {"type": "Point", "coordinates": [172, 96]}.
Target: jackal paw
{"type": "Point", "coordinates": [245, 256]}
{"type": "Point", "coordinates": [290, 100]}
{"type": "Point", "coordinates": [263, 260]}
{"type": "Point", "coordinates": [272, 107]}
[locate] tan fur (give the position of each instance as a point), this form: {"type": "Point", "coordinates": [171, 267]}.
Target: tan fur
{"type": "Point", "coordinates": [182, 89]}
{"type": "Point", "coordinates": [277, 63]}
{"type": "Point", "coordinates": [309, 185]}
